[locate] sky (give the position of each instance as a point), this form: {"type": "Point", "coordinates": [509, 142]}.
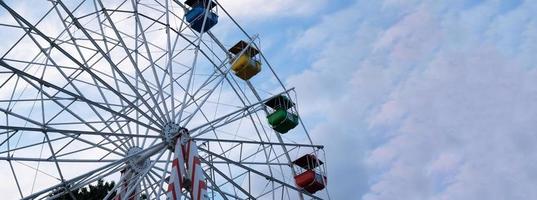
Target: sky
{"type": "Point", "coordinates": [412, 99]}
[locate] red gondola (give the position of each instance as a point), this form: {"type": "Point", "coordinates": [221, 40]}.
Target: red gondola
{"type": "Point", "coordinates": [312, 178]}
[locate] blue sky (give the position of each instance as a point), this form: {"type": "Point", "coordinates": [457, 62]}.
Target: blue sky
{"type": "Point", "coordinates": [414, 99]}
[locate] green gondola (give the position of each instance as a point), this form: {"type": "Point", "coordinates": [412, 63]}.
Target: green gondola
{"type": "Point", "coordinates": [282, 121]}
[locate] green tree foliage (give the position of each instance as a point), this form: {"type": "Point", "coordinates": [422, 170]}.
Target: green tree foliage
{"type": "Point", "coordinates": [92, 192]}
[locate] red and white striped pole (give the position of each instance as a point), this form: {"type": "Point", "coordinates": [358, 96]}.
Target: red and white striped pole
{"type": "Point", "coordinates": [187, 166]}
{"type": "Point", "coordinates": [197, 177]}
{"type": "Point", "coordinates": [177, 178]}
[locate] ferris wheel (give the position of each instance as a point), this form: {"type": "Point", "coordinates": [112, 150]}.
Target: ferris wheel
{"type": "Point", "coordinates": [168, 99]}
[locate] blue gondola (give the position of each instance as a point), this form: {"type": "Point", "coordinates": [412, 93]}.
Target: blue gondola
{"type": "Point", "coordinates": [197, 14]}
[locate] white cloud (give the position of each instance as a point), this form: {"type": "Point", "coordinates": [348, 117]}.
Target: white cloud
{"type": "Point", "coordinates": [440, 96]}
{"type": "Point", "coordinates": [464, 122]}
{"type": "Point", "coordinates": [260, 9]}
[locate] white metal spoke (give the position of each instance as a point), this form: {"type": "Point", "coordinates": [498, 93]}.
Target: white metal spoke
{"type": "Point", "coordinates": [256, 172]}
{"type": "Point", "coordinates": [13, 13]}
{"type": "Point", "coordinates": [78, 97]}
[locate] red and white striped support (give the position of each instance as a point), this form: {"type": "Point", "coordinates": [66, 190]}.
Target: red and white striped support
{"type": "Point", "coordinates": [126, 177]}
{"type": "Point", "coordinates": [199, 187]}
{"type": "Point", "coordinates": [176, 181]}
{"type": "Point", "coordinates": [187, 166]}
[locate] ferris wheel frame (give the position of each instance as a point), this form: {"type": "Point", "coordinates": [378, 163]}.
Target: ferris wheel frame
{"type": "Point", "coordinates": [154, 106]}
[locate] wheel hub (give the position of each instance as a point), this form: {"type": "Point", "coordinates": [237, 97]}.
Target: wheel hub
{"type": "Point", "coordinates": [137, 163]}
{"type": "Point", "coordinates": [170, 131]}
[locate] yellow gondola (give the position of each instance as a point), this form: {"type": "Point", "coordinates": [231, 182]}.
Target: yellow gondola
{"type": "Point", "coordinates": [245, 65]}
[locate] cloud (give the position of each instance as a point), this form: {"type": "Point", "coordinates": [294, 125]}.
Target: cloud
{"type": "Point", "coordinates": [422, 100]}
{"type": "Point", "coordinates": [461, 116]}
{"type": "Point", "coordinates": [254, 10]}
{"type": "Point", "coordinates": [461, 126]}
